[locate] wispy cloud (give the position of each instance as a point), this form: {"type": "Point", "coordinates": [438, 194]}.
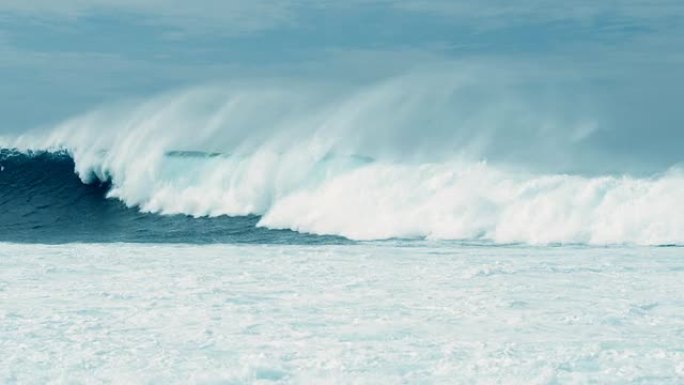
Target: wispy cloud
{"type": "Point", "coordinates": [526, 11]}
{"type": "Point", "coordinates": [243, 16]}
{"type": "Point", "coordinates": [228, 16]}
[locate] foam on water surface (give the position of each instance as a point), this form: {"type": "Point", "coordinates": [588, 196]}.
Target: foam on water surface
{"type": "Point", "coordinates": [354, 314]}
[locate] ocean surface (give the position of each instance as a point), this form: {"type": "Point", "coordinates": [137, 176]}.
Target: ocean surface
{"type": "Point", "coordinates": [364, 313]}
{"type": "Point", "coordinates": [266, 236]}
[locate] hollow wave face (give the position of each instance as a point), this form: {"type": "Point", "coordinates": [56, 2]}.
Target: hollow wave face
{"type": "Point", "coordinates": [398, 159]}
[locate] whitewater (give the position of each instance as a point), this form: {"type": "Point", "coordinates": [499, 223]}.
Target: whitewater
{"type": "Point", "coordinates": [345, 314]}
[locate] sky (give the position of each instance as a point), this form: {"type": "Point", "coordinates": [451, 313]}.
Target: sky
{"type": "Point", "coordinates": [619, 60]}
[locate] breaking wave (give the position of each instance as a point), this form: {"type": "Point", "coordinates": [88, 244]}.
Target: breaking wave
{"type": "Point", "coordinates": [43, 201]}
{"type": "Point", "coordinates": [400, 159]}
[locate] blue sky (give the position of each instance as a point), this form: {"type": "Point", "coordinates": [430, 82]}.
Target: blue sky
{"type": "Point", "coordinates": [62, 57]}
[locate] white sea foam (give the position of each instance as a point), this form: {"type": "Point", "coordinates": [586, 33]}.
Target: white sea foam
{"type": "Point", "coordinates": [401, 158]}
{"type": "Point", "coordinates": [353, 314]}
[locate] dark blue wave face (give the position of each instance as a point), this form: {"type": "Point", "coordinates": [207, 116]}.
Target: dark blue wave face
{"type": "Point", "coordinates": [42, 200]}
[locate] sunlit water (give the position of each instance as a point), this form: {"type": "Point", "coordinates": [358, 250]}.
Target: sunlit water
{"type": "Point", "coordinates": [351, 314]}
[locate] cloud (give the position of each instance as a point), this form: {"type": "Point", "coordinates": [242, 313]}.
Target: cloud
{"type": "Point", "coordinates": [246, 16]}
{"type": "Point", "coordinates": [229, 16]}
{"type": "Point", "coordinates": [508, 12]}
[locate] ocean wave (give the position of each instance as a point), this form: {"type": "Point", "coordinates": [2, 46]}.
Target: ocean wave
{"type": "Point", "coordinates": [356, 166]}
{"type": "Point", "coordinates": [42, 200]}
{"type": "Point", "coordinates": [364, 199]}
